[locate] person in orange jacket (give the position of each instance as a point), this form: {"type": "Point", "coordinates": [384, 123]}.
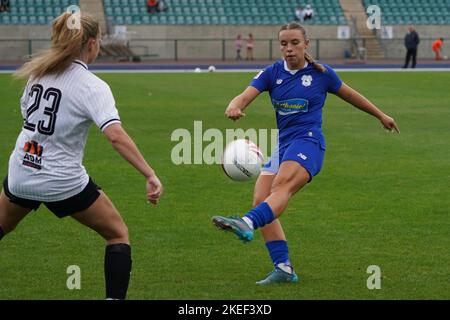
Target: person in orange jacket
{"type": "Point", "coordinates": [437, 45]}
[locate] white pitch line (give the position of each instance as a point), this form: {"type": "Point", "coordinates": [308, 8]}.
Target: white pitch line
{"type": "Point", "coordinates": [256, 70]}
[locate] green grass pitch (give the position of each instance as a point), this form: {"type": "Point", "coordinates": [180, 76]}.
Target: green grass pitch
{"type": "Point", "coordinates": [381, 199]}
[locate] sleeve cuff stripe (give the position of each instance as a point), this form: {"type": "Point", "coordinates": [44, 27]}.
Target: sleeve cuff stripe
{"type": "Point", "coordinates": [108, 122]}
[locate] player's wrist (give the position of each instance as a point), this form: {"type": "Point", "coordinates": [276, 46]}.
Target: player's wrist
{"type": "Point", "coordinates": [234, 106]}
{"type": "Point", "coordinates": [150, 174]}
{"type": "Point", "coordinates": [380, 115]}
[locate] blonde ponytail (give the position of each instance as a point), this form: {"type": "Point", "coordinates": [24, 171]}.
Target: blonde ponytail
{"type": "Point", "coordinates": [316, 65]}
{"type": "Point", "coordinates": [66, 45]}
{"type": "Point", "coordinates": [308, 56]}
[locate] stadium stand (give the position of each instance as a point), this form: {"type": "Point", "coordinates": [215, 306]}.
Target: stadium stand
{"type": "Point", "coordinates": [217, 12]}
{"type": "Point", "coordinates": [34, 11]}
{"type": "Point", "coordinates": [231, 12]}
{"type": "Point", "coordinates": [179, 33]}
{"type": "Point", "coordinates": [413, 11]}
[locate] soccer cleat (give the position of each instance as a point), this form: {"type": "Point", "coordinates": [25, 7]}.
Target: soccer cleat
{"type": "Point", "coordinates": [236, 225]}
{"type": "Point", "coordinates": [278, 276]}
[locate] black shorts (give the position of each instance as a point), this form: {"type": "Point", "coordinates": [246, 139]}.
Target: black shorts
{"type": "Point", "coordinates": [62, 208]}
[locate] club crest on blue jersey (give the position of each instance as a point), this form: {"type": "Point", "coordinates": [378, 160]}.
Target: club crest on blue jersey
{"type": "Point", "coordinates": [306, 80]}
{"type": "Point", "coordinates": [291, 106]}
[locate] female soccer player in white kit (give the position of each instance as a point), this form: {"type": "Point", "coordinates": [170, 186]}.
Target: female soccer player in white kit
{"type": "Point", "coordinates": [60, 102]}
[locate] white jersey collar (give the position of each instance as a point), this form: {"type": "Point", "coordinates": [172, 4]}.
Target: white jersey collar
{"type": "Point", "coordinates": [81, 63]}
{"type": "Point", "coordinates": [293, 71]}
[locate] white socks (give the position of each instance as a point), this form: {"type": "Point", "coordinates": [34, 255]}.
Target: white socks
{"type": "Point", "coordinates": [249, 222]}
{"type": "Point", "coordinates": [286, 267]}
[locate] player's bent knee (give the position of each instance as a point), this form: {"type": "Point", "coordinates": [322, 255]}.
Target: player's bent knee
{"type": "Point", "coordinates": [118, 234]}
{"type": "Point", "coordinates": [123, 234]}
{"type": "Point", "coordinates": [289, 183]}
{"type": "Point", "coordinates": [280, 182]}
{"type": "Point", "coordinates": [285, 186]}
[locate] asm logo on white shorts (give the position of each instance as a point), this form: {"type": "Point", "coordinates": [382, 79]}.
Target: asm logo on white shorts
{"type": "Point", "coordinates": [306, 80]}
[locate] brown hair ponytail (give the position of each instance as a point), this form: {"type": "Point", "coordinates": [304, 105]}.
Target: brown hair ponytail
{"type": "Point", "coordinates": [66, 45]}
{"type": "Point", "coordinates": [308, 56]}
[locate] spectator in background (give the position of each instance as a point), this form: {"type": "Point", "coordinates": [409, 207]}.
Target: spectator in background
{"type": "Point", "coordinates": [308, 13]}
{"type": "Point", "coordinates": [238, 46]}
{"type": "Point", "coordinates": [411, 43]}
{"type": "Point", "coordinates": [437, 48]}
{"type": "Point", "coordinates": [4, 5]}
{"type": "Point", "coordinates": [152, 6]}
{"type": "Point", "coordinates": [299, 14]}
{"type": "Point", "coordinates": [162, 6]}
{"type": "Point", "coordinates": [250, 47]}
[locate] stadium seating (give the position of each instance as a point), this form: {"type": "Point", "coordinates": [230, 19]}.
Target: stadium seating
{"type": "Point", "coordinates": [413, 11]}
{"type": "Point", "coordinates": [34, 11]}
{"type": "Point", "coordinates": [230, 12]}
{"type": "Point", "coordinates": [220, 12]}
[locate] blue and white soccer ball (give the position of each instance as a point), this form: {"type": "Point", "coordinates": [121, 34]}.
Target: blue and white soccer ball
{"type": "Point", "coordinates": [242, 160]}
{"type": "Point", "coordinates": [211, 69]}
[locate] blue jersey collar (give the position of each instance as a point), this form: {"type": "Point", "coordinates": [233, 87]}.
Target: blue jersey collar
{"type": "Point", "coordinates": [286, 68]}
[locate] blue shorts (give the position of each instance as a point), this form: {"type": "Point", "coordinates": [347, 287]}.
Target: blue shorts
{"type": "Point", "coordinates": [307, 152]}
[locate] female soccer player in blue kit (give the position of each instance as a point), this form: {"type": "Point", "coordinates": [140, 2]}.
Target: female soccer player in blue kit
{"type": "Point", "coordinates": [298, 87]}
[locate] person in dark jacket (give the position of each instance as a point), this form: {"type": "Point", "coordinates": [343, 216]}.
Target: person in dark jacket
{"type": "Point", "coordinates": [411, 43]}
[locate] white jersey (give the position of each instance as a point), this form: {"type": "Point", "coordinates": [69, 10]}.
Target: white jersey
{"type": "Point", "coordinates": [46, 164]}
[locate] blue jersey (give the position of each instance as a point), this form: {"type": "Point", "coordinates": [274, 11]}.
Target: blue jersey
{"type": "Point", "coordinates": [298, 99]}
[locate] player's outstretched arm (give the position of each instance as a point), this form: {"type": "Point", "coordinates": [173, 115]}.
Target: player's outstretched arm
{"type": "Point", "coordinates": [126, 147]}
{"type": "Point", "coordinates": [240, 102]}
{"type": "Point", "coordinates": [359, 101]}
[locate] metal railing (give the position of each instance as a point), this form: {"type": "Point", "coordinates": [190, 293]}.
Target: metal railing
{"type": "Point", "coordinates": [219, 49]}
{"type": "Point", "coordinates": [180, 49]}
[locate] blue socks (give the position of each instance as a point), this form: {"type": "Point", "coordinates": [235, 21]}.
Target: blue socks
{"type": "Point", "coordinates": [260, 215]}
{"type": "Point", "coordinates": [278, 251]}
{"type": "Point", "coordinates": [1, 233]}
